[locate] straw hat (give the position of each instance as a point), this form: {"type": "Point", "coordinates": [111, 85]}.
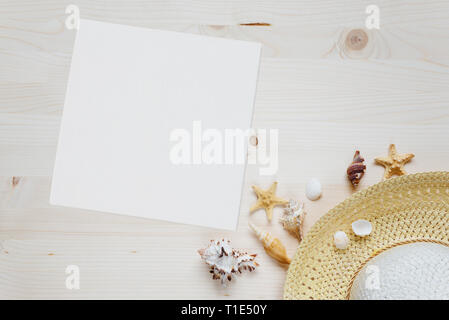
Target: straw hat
{"type": "Point", "coordinates": [404, 210]}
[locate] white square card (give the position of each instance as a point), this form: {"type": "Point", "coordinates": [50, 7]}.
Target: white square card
{"type": "Point", "coordinates": [129, 88]}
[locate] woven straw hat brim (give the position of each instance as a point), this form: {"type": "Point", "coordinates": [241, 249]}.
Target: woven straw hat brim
{"type": "Point", "coordinates": [402, 210]}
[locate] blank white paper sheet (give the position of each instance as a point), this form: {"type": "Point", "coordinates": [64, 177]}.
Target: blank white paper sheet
{"type": "Point", "coordinates": [128, 89]}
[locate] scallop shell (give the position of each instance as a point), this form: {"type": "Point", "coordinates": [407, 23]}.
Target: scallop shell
{"type": "Point", "coordinates": [273, 246]}
{"type": "Point", "coordinates": [293, 218]}
{"type": "Point", "coordinates": [341, 240]}
{"type": "Point", "coordinates": [225, 262]}
{"type": "Point", "coordinates": [362, 227]}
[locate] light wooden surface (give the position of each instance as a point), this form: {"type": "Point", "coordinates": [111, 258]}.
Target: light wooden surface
{"type": "Point", "coordinates": [325, 98]}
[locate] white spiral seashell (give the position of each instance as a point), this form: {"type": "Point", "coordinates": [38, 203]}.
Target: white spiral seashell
{"type": "Point", "coordinates": [263, 236]}
{"type": "Point", "coordinates": [293, 218]}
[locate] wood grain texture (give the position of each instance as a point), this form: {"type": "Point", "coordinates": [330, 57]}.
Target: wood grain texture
{"type": "Point", "coordinates": [325, 98]}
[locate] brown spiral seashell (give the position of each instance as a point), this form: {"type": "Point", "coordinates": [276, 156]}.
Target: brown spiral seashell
{"type": "Point", "coordinates": [356, 169]}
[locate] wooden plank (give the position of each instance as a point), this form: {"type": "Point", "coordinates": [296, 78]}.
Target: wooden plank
{"type": "Point", "coordinates": [279, 12]}
{"type": "Point", "coordinates": [325, 97]}
{"type": "Point", "coordinates": [351, 92]}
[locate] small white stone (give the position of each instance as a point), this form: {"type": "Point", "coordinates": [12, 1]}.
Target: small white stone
{"type": "Point", "coordinates": [313, 189]}
{"type": "Point", "coordinates": [362, 227]}
{"type": "Point", "coordinates": [341, 240]}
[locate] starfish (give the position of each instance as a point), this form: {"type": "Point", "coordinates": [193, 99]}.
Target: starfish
{"type": "Point", "coordinates": [267, 199]}
{"type": "Point", "coordinates": [394, 163]}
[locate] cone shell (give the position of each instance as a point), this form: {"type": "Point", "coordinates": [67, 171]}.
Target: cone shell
{"type": "Point", "coordinates": [273, 246]}
{"type": "Point", "coordinates": [356, 169]}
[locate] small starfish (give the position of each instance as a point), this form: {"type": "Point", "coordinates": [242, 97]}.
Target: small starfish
{"type": "Point", "coordinates": [394, 163]}
{"type": "Point", "coordinates": [267, 199]}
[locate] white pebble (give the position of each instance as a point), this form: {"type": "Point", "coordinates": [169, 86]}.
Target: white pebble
{"type": "Point", "coordinates": [313, 189]}
{"type": "Point", "coordinates": [341, 240]}
{"type": "Point", "coordinates": [362, 227]}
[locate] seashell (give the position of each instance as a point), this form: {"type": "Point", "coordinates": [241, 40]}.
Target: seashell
{"type": "Point", "coordinates": [273, 246]}
{"type": "Point", "coordinates": [356, 169]}
{"type": "Point", "coordinates": [362, 227]}
{"type": "Point", "coordinates": [313, 189]}
{"type": "Point", "coordinates": [341, 240]}
{"type": "Point", "coordinates": [225, 262]}
{"type": "Point", "coordinates": [293, 218]}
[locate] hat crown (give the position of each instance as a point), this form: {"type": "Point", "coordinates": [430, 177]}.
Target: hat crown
{"type": "Point", "coordinates": [410, 271]}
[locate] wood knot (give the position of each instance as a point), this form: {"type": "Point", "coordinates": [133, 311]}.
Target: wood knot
{"type": "Point", "coordinates": [356, 39]}
{"type": "Point", "coordinates": [256, 24]}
